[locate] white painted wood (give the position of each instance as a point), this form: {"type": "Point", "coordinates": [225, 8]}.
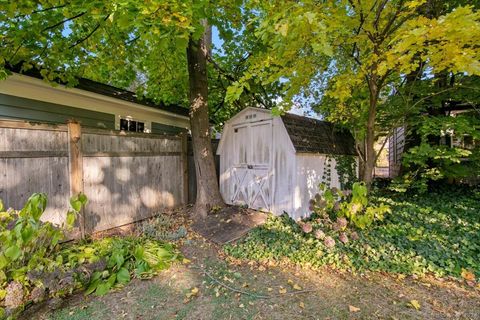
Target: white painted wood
{"type": "Point", "coordinates": [259, 164]}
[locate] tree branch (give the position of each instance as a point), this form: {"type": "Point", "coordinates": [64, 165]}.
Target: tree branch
{"type": "Point", "coordinates": [232, 79]}
{"type": "Point", "coordinates": [89, 34]}
{"type": "Point", "coordinates": [41, 10]}
{"type": "Point", "coordinates": [63, 21]}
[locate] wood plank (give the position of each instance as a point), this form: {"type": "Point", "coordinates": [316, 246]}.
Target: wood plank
{"type": "Point", "coordinates": [31, 125]}
{"type": "Point", "coordinates": [130, 134]}
{"type": "Point", "coordinates": [76, 166]}
{"type": "Point", "coordinates": [131, 154]}
{"type": "Point", "coordinates": [33, 154]}
{"type": "Point", "coordinates": [185, 167]}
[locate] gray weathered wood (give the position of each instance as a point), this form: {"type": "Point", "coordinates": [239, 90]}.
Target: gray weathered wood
{"type": "Point", "coordinates": [126, 177]}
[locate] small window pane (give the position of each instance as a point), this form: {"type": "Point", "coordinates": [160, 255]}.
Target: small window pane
{"type": "Point", "coordinates": [140, 127]}
{"type": "Point", "coordinates": [124, 124]}
{"type": "Point", "coordinates": [132, 126]}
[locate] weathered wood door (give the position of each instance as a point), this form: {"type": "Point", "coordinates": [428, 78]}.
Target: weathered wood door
{"type": "Point", "coordinates": [252, 170]}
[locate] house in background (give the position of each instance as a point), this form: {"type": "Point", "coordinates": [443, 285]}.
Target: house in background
{"type": "Point", "coordinates": [276, 163]}
{"type": "Point", "coordinates": [93, 104]}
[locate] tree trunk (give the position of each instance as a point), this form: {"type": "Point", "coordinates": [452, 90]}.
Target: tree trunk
{"type": "Point", "coordinates": [370, 154]}
{"type": "Point", "coordinates": [208, 194]}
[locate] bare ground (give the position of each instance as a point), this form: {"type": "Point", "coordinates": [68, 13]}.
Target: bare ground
{"type": "Point", "coordinates": [171, 295]}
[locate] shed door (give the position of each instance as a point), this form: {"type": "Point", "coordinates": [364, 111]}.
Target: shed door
{"type": "Point", "coordinates": [252, 169]}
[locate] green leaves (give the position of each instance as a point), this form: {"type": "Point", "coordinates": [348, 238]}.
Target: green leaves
{"type": "Point", "coordinates": [435, 233]}
{"type": "Point", "coordinates": [13, 252]}
{"type": "Point", "coordinates": [78, 201]}
{"type": "Point", "coordinates": [35, 206]}
{"type": "Point", "coordinates": [123, 276]}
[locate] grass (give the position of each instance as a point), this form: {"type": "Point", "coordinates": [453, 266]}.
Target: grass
{"type": "Point", "coordinates": [436, 233]}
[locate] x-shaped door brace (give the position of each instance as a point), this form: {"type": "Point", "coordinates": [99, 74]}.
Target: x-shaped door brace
{"type": "Point", "coordinates": [240, 187]}
{"type": "Point", "coordinates": [260, 181]}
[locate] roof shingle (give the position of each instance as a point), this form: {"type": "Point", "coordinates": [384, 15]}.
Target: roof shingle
{"type": "Point", "coordinates": [315, 136]}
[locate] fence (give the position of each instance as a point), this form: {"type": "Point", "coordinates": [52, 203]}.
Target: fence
{"type": "Point", "coordinates": [126, 176]}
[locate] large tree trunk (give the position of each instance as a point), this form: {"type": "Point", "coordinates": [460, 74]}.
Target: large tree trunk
{"type": "Point", "coordinates": [208, 194]}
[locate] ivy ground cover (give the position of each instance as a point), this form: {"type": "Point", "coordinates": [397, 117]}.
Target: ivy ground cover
{"type": "Point", "coordinates": [436, 233]}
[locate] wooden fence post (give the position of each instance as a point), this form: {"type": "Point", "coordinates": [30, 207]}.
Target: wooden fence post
{"type": "Point", "coordinates": [185, 166]}
{"type": "Point", "coordinates": [75, 164]}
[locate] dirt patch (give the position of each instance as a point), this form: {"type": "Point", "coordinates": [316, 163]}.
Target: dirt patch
{"type": "Point", "coordinates": [229, 224]}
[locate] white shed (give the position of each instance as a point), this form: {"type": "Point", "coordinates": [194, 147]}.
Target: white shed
{"type": "Point", "coordinates": [274, 163]}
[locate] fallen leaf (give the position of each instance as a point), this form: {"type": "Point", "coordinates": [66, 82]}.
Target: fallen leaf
{"type": "Point", "coordinates": [301, 305]}
{"type": "Point", "coordinates": [290, 281]}
{"type": "Point", "coordinates": [269, 289]}
{"type": "Point", "coordinates": [415, 304]}
{"type": "Point", "coordinates": [282, 290]}
{"type": "Point", "coordinates": [261, 268]}
{"type": "Point", "coordinates": [353, 308]}
{"type": "Point", "coordinates": [468, 275]}
{"type": "Point", "coordinates": [297, 287]}
{"type": "Point", "coordinates": [186, 261]}
{"type": "Point", "coordinates": [241, 306]}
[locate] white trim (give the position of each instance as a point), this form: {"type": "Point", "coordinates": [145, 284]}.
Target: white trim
{"type": "Point", "coordinates": [36, 89]}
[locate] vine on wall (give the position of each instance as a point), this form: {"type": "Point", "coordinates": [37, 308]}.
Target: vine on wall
{"type": "Point", "coordinates": [346, 167]}
{"type": "Point", "coordinates": [327, 172]}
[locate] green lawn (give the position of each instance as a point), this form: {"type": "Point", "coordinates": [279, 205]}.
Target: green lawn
{"type": "Point", "coordinates": [436, 233]}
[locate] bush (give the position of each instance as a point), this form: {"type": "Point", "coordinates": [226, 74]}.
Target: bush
{"type": "Point", "coordinates": [35, 265]}
{"type": "Point", "coordinates": [352, 205]}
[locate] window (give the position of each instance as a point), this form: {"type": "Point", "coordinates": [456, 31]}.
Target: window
{"type": "Point", "coordinates": [132, 125]}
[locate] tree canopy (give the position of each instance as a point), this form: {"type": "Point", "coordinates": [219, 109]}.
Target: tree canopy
{"type": "Point", "coordinates": [346, 58]}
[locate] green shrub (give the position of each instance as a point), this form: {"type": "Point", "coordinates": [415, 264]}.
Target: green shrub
{"type": "Point", "coordinates": [352, 205]}
{"type": "Point", "coordinates": [437, 233]}
{"type": "Point", "coordinates": [35, 265]}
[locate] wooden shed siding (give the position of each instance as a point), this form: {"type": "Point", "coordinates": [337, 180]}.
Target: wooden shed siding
{"type": "Point", "coordinates": [294, 176]}
{"type": "Point", "coordinates": [284, 175]}
{"type": "Point", "coordinates": [12, 107]}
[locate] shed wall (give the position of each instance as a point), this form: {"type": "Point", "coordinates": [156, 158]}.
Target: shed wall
{"type": "Point", "coordinates": [281, 158]}
{"type": "Point", "coordinates": [310, 170]}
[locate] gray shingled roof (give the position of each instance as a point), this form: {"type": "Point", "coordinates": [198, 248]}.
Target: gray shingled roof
{"type": "Point", "coordinates": [315, 136]}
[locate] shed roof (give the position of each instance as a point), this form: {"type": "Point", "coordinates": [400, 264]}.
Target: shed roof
{"type": "Point", "coordinates": [310, 135]}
